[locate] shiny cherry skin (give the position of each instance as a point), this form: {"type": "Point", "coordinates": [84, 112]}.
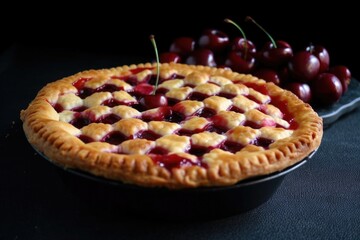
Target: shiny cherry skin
{"type": "Point", "coordinates": [182, 46]}
{"type": "Point", "coordinates": [269, 75]}
{"type": "Point", "coordinates": [202, 56]}
{"type": "Point", "coordinates": [167, 57]}
{"type": "Point", "coordinates": [343, 74]}
{"type": "Point", "coordinates": [272, 56]}
{"type": "Point", "coordinates": [326, 89]}
{"type": "Point", "coordinates": [153, 101]}
{"type": "Point", "coordinates": [301, 90]}
{"type": "Point", "coordinates": [322, 54]}
{"type": "Point", "coordinates": [238, 63]}
{"type": "Point", "coordinates": [214, 40]}
{"type": "Point", "coordinates": [240, 44]}
{"type": "Point", "coordinates": [304, 66]}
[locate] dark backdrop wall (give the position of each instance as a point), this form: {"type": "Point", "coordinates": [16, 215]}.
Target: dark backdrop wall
{"type": "Point", "coordinates": [124, 28]}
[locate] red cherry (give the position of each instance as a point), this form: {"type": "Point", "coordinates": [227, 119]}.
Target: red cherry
{"type": "Point", "coordinates": [322, 54]}
{"type": "Point", "coordinates": [153, 101]}
{"type": "Point", "coordinates": [268, 75]}
{"type": "Point", "coordinates": [343, 74]}
{"type": "Point", "coordinates": [214, 40]}
{"type": "Point", "coordinates": [168, 57]}
{"type": "Point", "coordinates": [327, 89]}
{"type": "Point", "coordinates": [182, 46]}
{"type": "Point", "coordinates": [241, 59]}
{"type": "Point", "coordinates": [237, 63]}
{"type": "Point", "coordinates": [304, 66]}
{"type": "Point", "coordinates": [301, 90]}
{"type": "Point", "coordinates": [240, 44]}
{"type": "Point", "coordinates": [149, 100]}
{"type": "Point", "coordinates": [273, 53]}
{"type": "Point", "coordinates": [201, 56]}
{"type": "Point", "coordinates": [274, 56]}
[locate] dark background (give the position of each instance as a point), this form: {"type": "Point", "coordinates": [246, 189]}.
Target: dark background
{"type": "Point", "coordinates": [124, 28]}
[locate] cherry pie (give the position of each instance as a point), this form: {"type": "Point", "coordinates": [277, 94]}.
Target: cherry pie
{"type": "Point", "coordinates": [216, 127]}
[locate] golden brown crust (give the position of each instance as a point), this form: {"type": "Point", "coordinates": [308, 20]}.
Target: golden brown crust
{"type": "Point", "coordinates": [59, 140]}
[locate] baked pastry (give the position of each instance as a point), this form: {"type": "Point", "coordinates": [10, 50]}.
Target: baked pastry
{"type": "Point", "coordinates": [216, 128]}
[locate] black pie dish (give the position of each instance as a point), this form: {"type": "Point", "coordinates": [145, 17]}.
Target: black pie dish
{"type": "Point", "coordinates": [111, 198]}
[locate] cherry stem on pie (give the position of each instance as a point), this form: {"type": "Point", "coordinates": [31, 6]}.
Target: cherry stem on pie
{"type": "Point", "coordinates": [152, 39]}
{"type": "Point", "coordinates": [243, 35]}
{"type": "Point", "coordinates": [248, 18]}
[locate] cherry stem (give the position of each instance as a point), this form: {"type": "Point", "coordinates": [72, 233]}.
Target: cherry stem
{"type": "Point", "coordinates": [243, 35]}
{"type": "Point", "coordinates": [259, 26]}
{"type": "Point", "coordinates": [152, 39]}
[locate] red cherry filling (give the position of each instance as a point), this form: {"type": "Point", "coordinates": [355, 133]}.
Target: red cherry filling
{"type": "Point", "coordinates": [175, 161]}
{"type": "Point", "coordinates": [198, 96]}
{"type": "Point", "coordinates": [252, 98]}
{"type": "Point", "coordinates": [207, 112]}
{"type": "Point", "coordinates": [198, 150]}
{"type": "Point", "coordinates": [185, 132]}
{"type": "Point", "coordinates": [85, 91]}
{"type": "Point", "coordinates": [79, 84]}
{"type": "Point", "coordinates": [149, 135]}
{"type": "Point", "coordinates": [236, 109]}
{"type": "Point", "coordinates": [159, 151]}
{"type": "Point", "coordinates": [263, 142]}
{"type": "Point", "coordinates": [264, 123]}
{"type": "Point", "coordinates": [85, 139]}
{"type": "Point", "coordinates": [114, 138]}
{"type": "Point", "coordinates": [201, 150]}
{"type": "Point", "coordinates": [109, 119]}
{"type": "Point", "coordinates": [175, 117]}
{"type": "Point", "coordinates": [80, 121]}
{"type": "Point", "coordinates": [232, 147]}
{"type": "Point", "coordinates": [287, 116]}
{"type": "Point", "coordinates": [217, 129]}
{"type": "Point", "coordinates": [226, 95]}
{"type": "Point", "coordinates": [58, 108]}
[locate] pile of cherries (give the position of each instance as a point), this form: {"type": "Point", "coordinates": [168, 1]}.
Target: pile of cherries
{"type": "Point", "coordinates": [307, 72]}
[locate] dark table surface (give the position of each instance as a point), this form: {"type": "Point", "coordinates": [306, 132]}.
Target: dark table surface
{"type": "Point", "coordinates": [320, 200]}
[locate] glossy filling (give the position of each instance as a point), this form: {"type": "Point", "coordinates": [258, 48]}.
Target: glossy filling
{"type": "Point", "coordinates": [169, 113]}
